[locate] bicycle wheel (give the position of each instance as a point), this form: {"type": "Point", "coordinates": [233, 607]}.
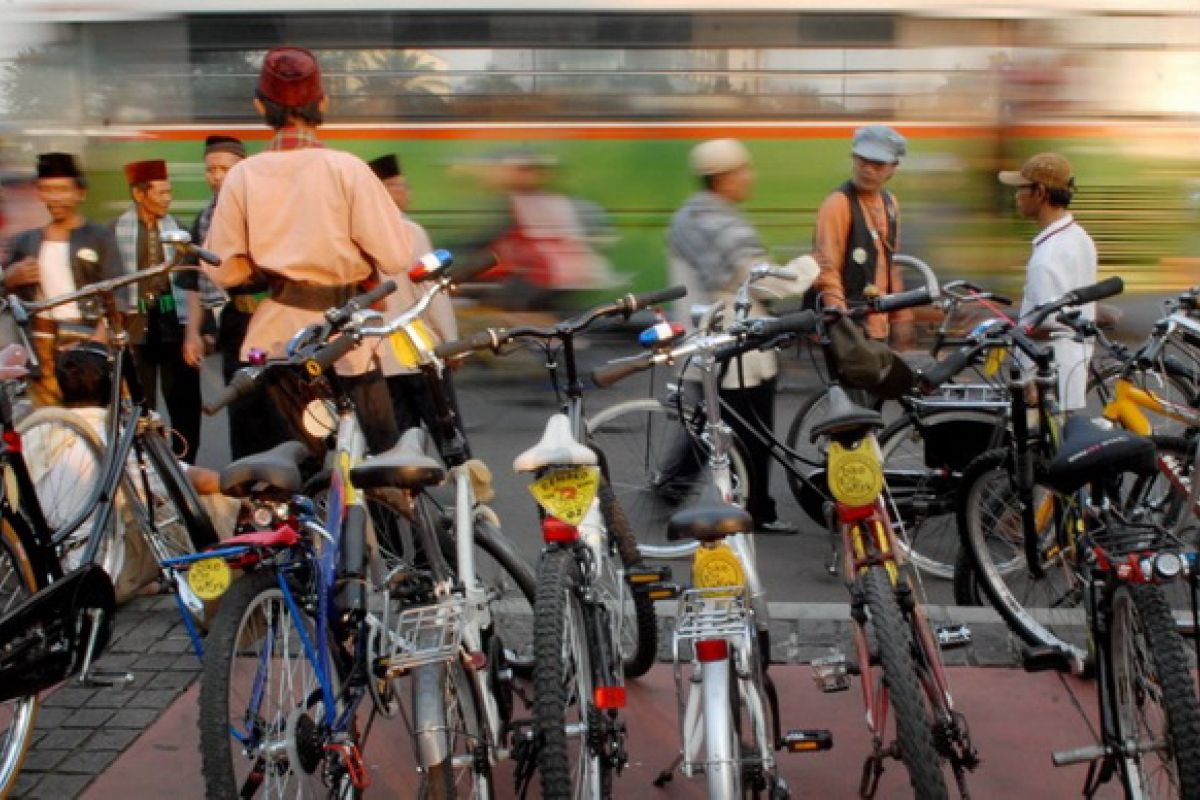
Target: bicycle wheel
{"type": "Point", "coordinates": [65, 458]}
{"type": "Point", "coordinates": [460, 773]}
{"type": "Point", "coordinates": [1042, 611]}
{"type": "Point", "coordinates": [922, 461]}
{"type": "Point", "coordinates": [637, 625]}
{"type": "Point", "coordinates": [18, 715]}
{"type": "Point", "coordinates": [261, 702]}
{"type": "Point", "coordinates": [914, 722]}
{"type": "Point", "coordinates": [812, 411]}
{"type": "Point", "coordinates": [564, 716]}
{"type": "Point", "coordinates": [1155, 696]}
{"type": "Point", "coordinates": [657, 463]}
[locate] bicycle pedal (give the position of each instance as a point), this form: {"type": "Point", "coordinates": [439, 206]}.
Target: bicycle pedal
{"type": "Point", "coordinates": [644, 576]}
{"type": "Point", "coordinates": [662, 591]}
{"type": "Point", "coordinates": [1080, 755]}
{"type": "Point", "coordinates": [952, 636]}
{"type": "Point", "coordinates": [102, 678]}
{"type": "Point", "coordinates": [1047, 658]}
{"type": "Point", "coordinates": [831, 673]}
{"type": "Point", "coordinates": [812, 740]}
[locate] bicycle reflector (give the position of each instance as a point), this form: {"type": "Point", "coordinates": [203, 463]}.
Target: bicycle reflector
{"type": "Point", "coordinates": [657, 334]}
{"type": "Point", "coordinates": [855, 472]}
{"type": "Point", "coordinates": [606, 697]}
{"type": "Point", "coordinates": [430, 264]}
{"type": "Point", "coordinates": [556, 531]}
{"type": "Point", "coordinates": [712, 649]}
{"type": "Point", "coordinates": [718, 568]}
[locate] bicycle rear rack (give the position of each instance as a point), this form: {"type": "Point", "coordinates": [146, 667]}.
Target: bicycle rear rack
{"type": "Point", "coordinates": [424, 635]}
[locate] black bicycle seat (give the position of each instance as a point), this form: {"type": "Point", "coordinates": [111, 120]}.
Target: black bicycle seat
{"type": "Point", "coordinates": [709, 519]}
{"type": "Point", "coordinates": [1090, 451]}
{"type": "Point", "coordinates": [272, 473]}
{"type": "Point", "coordinates": [405, 466]}
{"type": "Point", "coordinates": [845, 415]}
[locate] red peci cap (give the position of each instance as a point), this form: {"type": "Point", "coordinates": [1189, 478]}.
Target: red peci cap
{"type": "Point", "coordinates": [290, 77]}
{"type": "Point", "coordinates": [145, 171]}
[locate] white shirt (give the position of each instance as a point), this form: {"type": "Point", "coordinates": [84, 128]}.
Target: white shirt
{"type": "Point", "coordinates": [56, 277]}
{"type": "Point", "coordinates": [1063, 259]}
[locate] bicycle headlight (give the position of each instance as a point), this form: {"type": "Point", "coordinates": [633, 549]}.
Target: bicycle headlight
{"type": "Point", "coordinates": [855, 473]}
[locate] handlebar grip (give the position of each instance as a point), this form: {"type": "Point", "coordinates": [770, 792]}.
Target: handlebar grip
{"type": "Point", "coordinates": [1001, 299]}
{"type": "Point", "coordinates": [481, 263]}
{"type": "Point", "coordinates": [800, 322]}
{"type": "Point", "coordinates": [1097, 291]}
{"type": "Point", "coordinates": [639, 301]}
{"type": "Point", "coordinates": [483, 339]}
{"type": "Point", "coordinates": [208, 256]}
{"type": "Point", "coordinates": [328, 355]}
{"type": "Point", "coordinates": [899, 300]}
{"type": "Point", "coordinates": [608, 374]}
{"type": "Point", "coordinates": [947, 368]}
{"type": "Point", "coordinates": [340, 316]}
{"type": "Point", "coordinates": [245, 381]}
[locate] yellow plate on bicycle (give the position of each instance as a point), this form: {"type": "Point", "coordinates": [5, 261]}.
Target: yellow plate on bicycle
{"type": "Point", "coordinates": [855, 473]}
{"type": "Point", "coordinates": [567, 493]}
{"type": "Point", "coordinates": [209, 578]}
{"type": "Point", "coordinates": [404, 349]}
{"type": "Point", "coordinates": [716, 568]}
{"type": "Point", "coordinates": [995, 361]}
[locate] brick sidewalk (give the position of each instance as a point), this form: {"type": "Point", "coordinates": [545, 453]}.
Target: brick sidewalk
{"type": "Point", "coordinates": [81, 731]}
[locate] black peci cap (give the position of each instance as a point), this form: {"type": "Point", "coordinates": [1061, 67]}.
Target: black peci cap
{"type": "Point", "coordinates": [386, 167]}
{"type": "Point", "coordinates": [58, 165]}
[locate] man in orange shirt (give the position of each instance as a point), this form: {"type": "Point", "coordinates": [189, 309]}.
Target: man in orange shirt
{"type": "Point", "coordinates": [858, 230]}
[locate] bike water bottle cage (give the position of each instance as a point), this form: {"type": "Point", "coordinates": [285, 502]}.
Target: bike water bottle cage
{"type": "Point", "coordinates": [557, 447]}
{"type": "Point", "coordinates": [845, 416]}
{"type": "Point", "coordinates": [405, 466]}
{"type": "Point", "coordinates": [1090, 451]}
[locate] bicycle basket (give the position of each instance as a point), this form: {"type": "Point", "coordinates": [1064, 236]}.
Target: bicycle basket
{"type": "Point", "coordinates": [425, 635]}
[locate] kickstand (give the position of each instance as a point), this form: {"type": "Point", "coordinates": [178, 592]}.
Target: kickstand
{"type": "Point", "coordinates": [92, 677]}
{"type": "Point", "coordinates": [667, 774]}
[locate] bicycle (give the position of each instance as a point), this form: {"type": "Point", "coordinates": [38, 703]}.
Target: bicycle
{"type": "Point", "coordinates": [594, 610]}
{"type": "Point", "coordinates": [58, 601]}
{"type": "Point", "coordinates": [352, 617]}
{"type": "Point", "coordinates": [727, 703]}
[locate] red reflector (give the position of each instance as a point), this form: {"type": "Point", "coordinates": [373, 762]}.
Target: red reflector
{"type": "Point", "coordinates": [854, 513]}
{"type": "Point", "coordinates": [555, 530]}
{"type": "Point", "coordinates": [13, 440]}
{"type": "Point", "coordinates": [712, 649]}
{"type": "Point", "coordinates": [418, 272]}
{"type": "Point", "coordinates": [609, 697]}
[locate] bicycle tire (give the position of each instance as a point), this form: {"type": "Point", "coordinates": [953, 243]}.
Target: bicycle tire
{"type": "Point", "coordinates": [464, 727]}
{"type": "Point", "coordinates": [914, 726]}
{"type": "Point", "coordinates": [1042, 612]}
{"type": "Point", "coordinates": [65, 459]}
{"type": "Point", "coordinates": [237, 631]}
{"type": "Point", "coordinates": [637, 438]}
{"type": "Point", "coordinates": [638, 639]}
{"type": "Point", "coordinates": [1143, 632]}
{"type": "Point", "coordinates": [18, 716]}
{"type": "Point", "coordinates": [563, 683]}
{"type": "Point", "coordinates": [925, 502]}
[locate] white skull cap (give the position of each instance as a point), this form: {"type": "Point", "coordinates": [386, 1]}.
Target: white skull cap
{"type": "Point", "coordinates": [717, 156]}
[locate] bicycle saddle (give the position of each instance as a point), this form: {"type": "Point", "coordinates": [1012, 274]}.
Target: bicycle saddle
{"type": "Point", "coordinates": [557, 447]}
{"type": "Point", "coordinates": [1090, 451]}
{"type": "Point", "coordinates": [709, 520]}
{"type": "Point", "coordinates": [844, 415]}
{"type": "Point", "coordinates": [405, 466]}
{"type": "Point", "coordinates": [274, 473]}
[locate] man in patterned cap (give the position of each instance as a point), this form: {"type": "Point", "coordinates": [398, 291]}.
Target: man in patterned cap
{"type": "Point", "coordinates": [67, 254]}
{"type": "Point", "coordinates": [166, 316]}
{"type": "Point", "coordinates": [315, 223]}
{"type": "Point", "coordinates": [857, 233]}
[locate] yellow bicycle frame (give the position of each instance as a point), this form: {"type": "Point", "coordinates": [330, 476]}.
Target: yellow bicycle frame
{"type": "Point", "coordinates": [1126, 407]}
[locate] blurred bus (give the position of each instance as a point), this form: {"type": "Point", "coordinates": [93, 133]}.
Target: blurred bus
{"type": "Point", "coordinates": [618, 92]}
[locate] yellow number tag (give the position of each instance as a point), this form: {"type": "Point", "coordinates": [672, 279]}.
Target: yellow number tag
{"type": "Point", "coordinates": [855, 474]}
{"type": "Point", "coordinates": [718, 567]}
{"type": "Point", "coordinates": [408, 354]}
{"type": "Point", "coordinates": [995, 361]}
{"type": "Point", "coordinates": [567, 493]}
{"type": "Point", "coordinates": [209, 578]}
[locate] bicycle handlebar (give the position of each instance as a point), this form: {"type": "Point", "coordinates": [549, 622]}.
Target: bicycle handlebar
{"type": "Point", "coordinates": [948, 367]}
{"type": "Point", "coordinates": [338, 317]}
{"type": "Point", "coordinates": [901, 300]}
{"type": "Point", "coordinates": [615, 371]}
{"type": "Point", "coordinates": [245, 381]}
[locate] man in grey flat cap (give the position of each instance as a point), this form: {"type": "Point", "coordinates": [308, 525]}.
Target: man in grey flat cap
{"type": "Point", "coordinates": [857, 233]}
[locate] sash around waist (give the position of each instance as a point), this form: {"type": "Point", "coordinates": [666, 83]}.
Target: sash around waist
{"type": "Point", "coordinates": [312, 296]}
